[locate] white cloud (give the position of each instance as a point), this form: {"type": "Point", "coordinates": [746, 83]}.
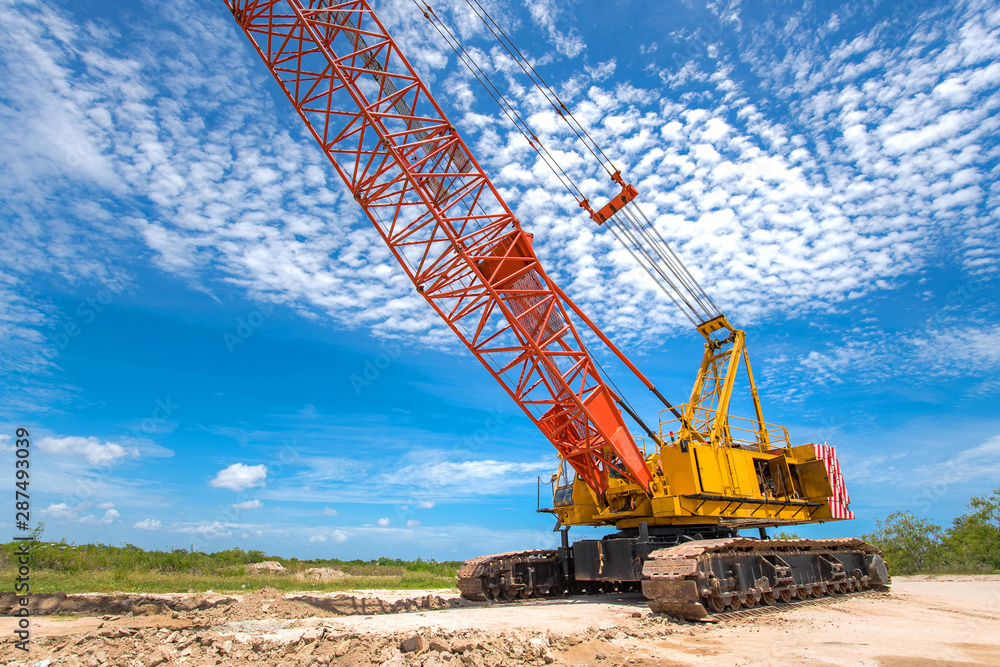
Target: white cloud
{"type": "Point", "coordinates": [383, 522]}
{"type": "Point", "coordinates": [958, 350]}
{"type": "Point", "coordinates": [412, 523]}
{"type": "Point", "coordinates": [248, 505]}
{"type": "Point", "coordinates": [931, 473]}
{"type": "Point", "coordinates": [148, 524]}
{"type": "Point", "coordinates": [109, 516]}
{"type": "Point", "coordinates": [210, 198]}
{"type": "Point", "coordinates": [545, 14]}
{"type": "Point", "coordinates": [59, 512]}
{"type": "Point", "coordinates": [423, 479]}
{"type": "Point", "coordinates": [438, 475]}
{"type": "Point", "coordinates": [944, 348]}
{"type": "Point", "coordinates": [92, 449]}
{"type": "Point", "coordinates": [329, 511]}
{"type": "Point", "coordinates": [240, 477]}
{"type": "Point", "coordinates": [337, 536]}
{"type": "Point", "coordinates": [207, 529]}
{"type": "Point", "coordinates": [72, 513]}
{"type": "Point", "coordinates": [981, 462]}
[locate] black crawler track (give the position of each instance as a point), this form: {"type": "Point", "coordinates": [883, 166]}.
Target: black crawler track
{"type": "Point", "coordinates": [693, 580]}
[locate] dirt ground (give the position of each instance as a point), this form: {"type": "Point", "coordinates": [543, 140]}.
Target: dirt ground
{"type": "Point", "coordinates": [921, 622]}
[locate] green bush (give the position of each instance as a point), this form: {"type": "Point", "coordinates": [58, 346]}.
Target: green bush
{"type": "Point", "coordinates": [912, 544]}
{"type": "Point", "coordinates": [973, 542]}
{"type": "Point", "coordinates": [128, 567]}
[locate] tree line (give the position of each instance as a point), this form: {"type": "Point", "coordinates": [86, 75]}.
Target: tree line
{"type": "Point", "coordinates": [913, 545]}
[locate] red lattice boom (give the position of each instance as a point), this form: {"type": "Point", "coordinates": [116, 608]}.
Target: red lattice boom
{"type": "Point", "coordinates": [442, 218]}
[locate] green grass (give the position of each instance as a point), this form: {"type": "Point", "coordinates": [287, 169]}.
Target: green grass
{"type": "Point", "coordinates": [101, 568]}
{"type": "Point", "coordinates": [105, 581]}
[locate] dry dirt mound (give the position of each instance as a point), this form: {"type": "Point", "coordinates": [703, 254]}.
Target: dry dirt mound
{"type": "Point", "coordinates": [320, 574]}
{"type": "Point", "coordinates": [97, 604]}
{"type": "Point", "coordinates": [211, 609]}
{"type": "Point", "coordinates": [149, 647]}
{"type": "Point", "coordinates": [264, 567]}
{"type": "Point", "coordinates": [269, 603]}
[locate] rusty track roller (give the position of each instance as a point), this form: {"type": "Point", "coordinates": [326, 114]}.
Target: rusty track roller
{"type": "Point", "coordinates": [510, 575]}
{"type": "Point", "coordinates": [699, 578]}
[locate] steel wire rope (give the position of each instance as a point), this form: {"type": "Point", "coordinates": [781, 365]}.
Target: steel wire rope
{"type": "Point", "coordinates": [620, 396]}
{"type": "Point", "coordinates": [683, 287]}
{"type": "Point", "coordinates": [667, 252]}
{"type": "Point", "coordinates": [541, 84]}
{"type": "Point", "coordinates": [663, 282]}
{"type": "Point", "coordinates": [676, 268]}
{"type": "Point", "coordinates": [548, 158]}
{"type": "Point", "coordinates": [644, 267]}
{"type": "Point", "coordinates": [667, 285]}
{"type": "Point", "coordinates": [663, 250]}
{"type": "Point", "coordinates": [512, 114]}
{"type": "Point", "coordinates": [683, 281]}
{"type": "Point", "coordinates": [635, 233]}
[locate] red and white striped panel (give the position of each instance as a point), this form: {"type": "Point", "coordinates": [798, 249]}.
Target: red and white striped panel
{"type": "Point", "coordinates": [840, 501]}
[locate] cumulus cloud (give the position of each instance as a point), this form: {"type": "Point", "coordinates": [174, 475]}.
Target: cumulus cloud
{"type": "Point", "coordinates": [59, 512]}
{"type": "Point", "coordinates": [437, 474]}
{"type": "Point", "coordinates": [206, 529]}
{"type": "Point", "coordinates": [109, 517]}
{"type": "Point", "coordinates": [240, 477]}
{"type": "Point", "coordinates": [383, 522]}
{"type": "Point", "coordinates": [75, 513]}
{"type": "Point", "coordinates": [92, 449]}
{"type": "Point", "coordinates": [337, 536]}
{"type": "Point", "coordinates": [248, 505]}
{"type": "Point", "coordinates": [148, 524]}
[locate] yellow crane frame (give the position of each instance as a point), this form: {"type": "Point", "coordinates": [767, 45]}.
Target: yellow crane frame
{"type": "Point", "coordinates": [711, 467]}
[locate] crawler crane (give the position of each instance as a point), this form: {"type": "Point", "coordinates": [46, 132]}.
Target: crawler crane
{"type": "Point", "coordinates": [678, 508]}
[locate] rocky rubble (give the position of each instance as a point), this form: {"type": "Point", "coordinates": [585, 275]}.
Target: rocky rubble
{"type": "Point", "coordinates": [207, 607]}
{"type": "Point", "coordinates": [151, 647]}
{"type": "Point", "coordinates": [266, 628]}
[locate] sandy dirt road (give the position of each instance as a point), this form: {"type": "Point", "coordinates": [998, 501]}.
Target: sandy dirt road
{"type": "Point", "coordinates": [923, 622]}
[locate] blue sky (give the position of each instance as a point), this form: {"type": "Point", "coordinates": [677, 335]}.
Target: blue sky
{"type": "Point", "coordinates": [189, 299]}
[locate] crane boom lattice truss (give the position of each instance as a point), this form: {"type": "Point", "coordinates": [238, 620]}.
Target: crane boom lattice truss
{"type": "Point", "coordinates": [442, 218]}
